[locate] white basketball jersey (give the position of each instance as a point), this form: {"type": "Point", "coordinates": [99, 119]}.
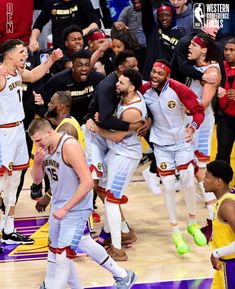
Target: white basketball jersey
{"type": "Point", "coordinates": [11, 105]}
{"type": "Point", "coordinates": [197, 87]}
{"type": "Point", "coordinates": [63, 179]}
{"type": "Point", "coordinates": [130, 146]}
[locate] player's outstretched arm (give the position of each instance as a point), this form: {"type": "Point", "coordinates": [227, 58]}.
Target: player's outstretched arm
{"type": "Point", "coordinates": [39, 71]}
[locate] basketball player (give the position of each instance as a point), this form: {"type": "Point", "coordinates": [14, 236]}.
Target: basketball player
{"type": "Point", "coordinates": [62, 158]}
{"type": "Point", "coordinates": [204, 53]}
{"type": "Point", "coordinates": [59, 115]}
{"type": "Point", "coordinates": [167, 100]}
{"type": "Point", "coordinates": [104, 102]}
{"type": "Point", "coordinates": [218, 176]}
{"type": "Point", "coordinates": [13, 147]}
{"type": "Point", "coordinates": [123, 156]}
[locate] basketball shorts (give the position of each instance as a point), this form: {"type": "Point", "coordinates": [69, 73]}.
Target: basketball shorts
{"type": "Point", "coordinates": [13, 147]}
{"type": "Point", "coordinates": [172, 157]}
{"type": "Point", "coordinates": [117, 172]}
{"type": "Point", "coordinates": [225, 277]}
{"type": "Point", "coordinates": [68, 231]}
{"type": "Point", "coordinates": [96, 149]}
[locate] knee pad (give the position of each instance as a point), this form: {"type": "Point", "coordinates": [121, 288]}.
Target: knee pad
{"type": "Point", "coordinates": [112, 199]}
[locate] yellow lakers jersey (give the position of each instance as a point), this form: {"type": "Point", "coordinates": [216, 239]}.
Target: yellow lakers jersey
{"type": "Point", "coordinates": [74, 122]}
{"type": "Point", "coordinates": [222, 233]}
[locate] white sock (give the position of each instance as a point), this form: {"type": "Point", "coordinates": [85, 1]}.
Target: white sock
{"type": "Point", "coordinates": [208, 197]}
{"type": "Point", "coordinates": [106, 225]}
{"type": "Point", "coordinates": [51, 268]}
{"type": "Point", "coordinates": [175, 229]}
{"type": "Point", "coordinates": [188, 187]}
{"type": "Point", "coordinates": [100, 256]}
{"type": "Point", "coordinates": [169, 195]}
{"type": "Point", "coordinates": [74, 281]}
{"type": "Point", "coordinates": [124, 227]}
{"type": "Point", "coordinates": [9, 225]}
{"type": "Point", "coordinates": [114, 220]}
{"type": "Point", "coordinates": [191, 221]}
{"type": "Point", "coordinates": [114, 268]}
{"type": "Point", "coordinates": [62, 271]}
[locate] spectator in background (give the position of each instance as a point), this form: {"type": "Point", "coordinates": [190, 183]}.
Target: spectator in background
{"type": "Point", "coordinates": [62, 14]}
{"type": "Point", "coordinates": [73, 41]}
{"type": "Point", "coordinates": [80, 80]}
{"type": "Point", "coordinates": [115, 7]}
{"type": "Point", "coordinates": [45, 38]}
{"type": "Point", "coordinates": [130, 19]}
{"type": "Point", "coordinates": [184, 15]}
{"type": "Point", "coordinates": [226, 103]}
{"type": "Point", "coordinates": [161, 37]}
{"type": "Point", "coordinates": [122, 40]}
{"type": "Point", "coordinates": [102, 54]}
{"type": "Point", "coordinates": [15, 20]}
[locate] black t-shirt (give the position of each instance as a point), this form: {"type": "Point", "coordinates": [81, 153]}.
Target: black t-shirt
{"type": "Point", "coordinates": [105, 101]}
{"type": "Point", "coordinates": [81, 91]}
{"type": "Point", "coordinates": [63, 14]}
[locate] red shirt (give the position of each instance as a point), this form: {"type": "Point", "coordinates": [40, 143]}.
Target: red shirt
{"type": "Point", "coordinates": [16, 19]}
{"type": "Point", "coordinates": [228, 105]}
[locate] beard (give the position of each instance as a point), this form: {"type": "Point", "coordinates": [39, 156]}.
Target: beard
{"type": "Point", "coordinates": [51, 113]}
{"type": "Point", "coordinates": [121, 93]}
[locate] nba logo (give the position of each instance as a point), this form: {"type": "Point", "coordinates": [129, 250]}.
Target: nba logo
{"type": "Point", "coordinates": [198, 15]}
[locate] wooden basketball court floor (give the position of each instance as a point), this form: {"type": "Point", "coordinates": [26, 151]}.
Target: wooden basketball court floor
{"type": "Point", "coordinates": [153, 257]}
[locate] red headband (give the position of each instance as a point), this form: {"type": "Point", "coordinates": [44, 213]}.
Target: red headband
{"type": "Point", "coordinates": [164, 8]}
{"type": "Point", "coordinates": [163, 66]}
{"type": "Point", "coordinates": [96, 36]}
{"type": "Point", "coordinates": [199, 41]}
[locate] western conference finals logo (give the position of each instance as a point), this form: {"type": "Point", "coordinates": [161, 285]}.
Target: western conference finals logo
{"type": "Point", "coordinates": [209, 15]}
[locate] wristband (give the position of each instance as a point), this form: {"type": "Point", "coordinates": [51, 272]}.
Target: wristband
{"type": "Point", "coordinates": [194, 125]}
{"type": "Point", "coordinates": [48, 194]}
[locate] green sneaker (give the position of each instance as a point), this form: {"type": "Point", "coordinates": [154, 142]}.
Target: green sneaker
{"type": "Point", "coordinates": [181, 245]}
{"type": "Point", "coordinates": [197, 234]}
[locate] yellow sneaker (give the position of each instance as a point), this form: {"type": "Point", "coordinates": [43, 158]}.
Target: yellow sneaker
{"type": "Point", "coordinates": [197, 234]}
{"type": "Point", "coordinates": [180, 244]}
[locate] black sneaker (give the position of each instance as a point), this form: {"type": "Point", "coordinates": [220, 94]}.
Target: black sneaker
{"type": "Point", "coordinates": [36, 191]}
{"type": "Point", "coordinates": [42, 286]}
{"type": "Point", "coordinates": [16, 238]}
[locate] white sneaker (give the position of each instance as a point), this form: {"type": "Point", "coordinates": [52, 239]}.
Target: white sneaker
{"type": "Point", "coordinates": [152, 181]}
{"type": "Point", "coordinates": [126, 282]}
